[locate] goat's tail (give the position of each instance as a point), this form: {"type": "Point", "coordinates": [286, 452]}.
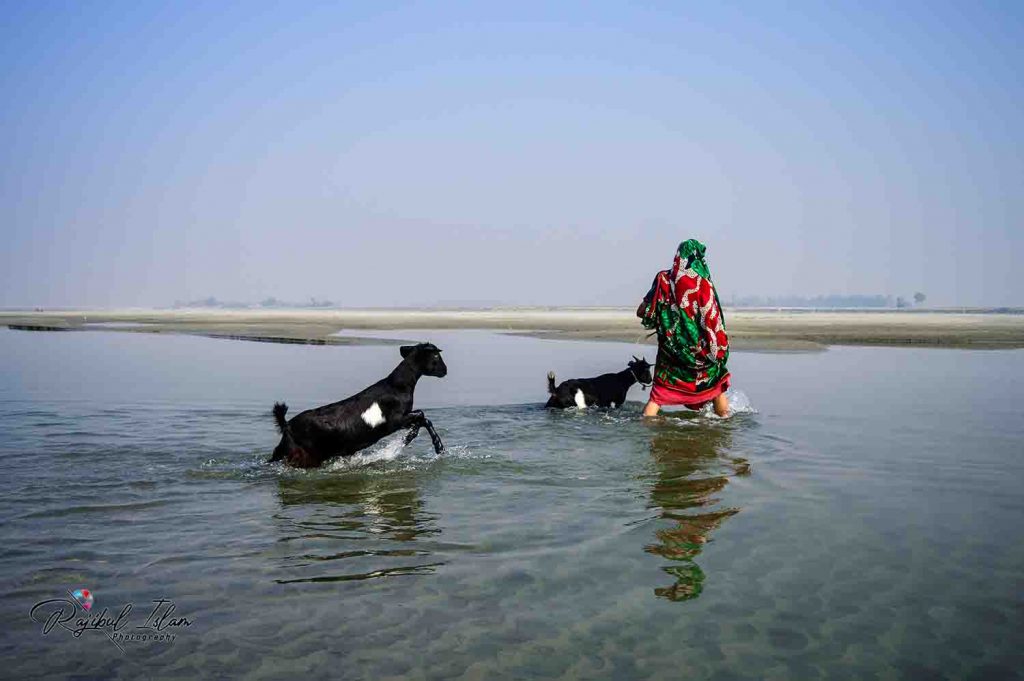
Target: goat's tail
{"type": "Point", "coordinates": [551, 382]}
{"type": "Point", "coordinates": [280, 409]}
{"type": "Point", "coordinates": [282, 449]}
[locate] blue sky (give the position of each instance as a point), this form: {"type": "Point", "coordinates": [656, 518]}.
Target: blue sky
{"type": "Point", "coordinates": [421, 154]}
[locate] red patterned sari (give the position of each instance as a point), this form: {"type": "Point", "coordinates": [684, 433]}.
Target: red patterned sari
{"type": "Point", "coordinates": [693, 347]}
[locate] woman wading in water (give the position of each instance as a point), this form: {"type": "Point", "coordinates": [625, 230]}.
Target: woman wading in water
{"type": "Point", "coordinates": [682, 306]}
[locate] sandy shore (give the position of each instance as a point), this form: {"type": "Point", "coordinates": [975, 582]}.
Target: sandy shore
{"type": "Point", "coordinates": [748, 329]}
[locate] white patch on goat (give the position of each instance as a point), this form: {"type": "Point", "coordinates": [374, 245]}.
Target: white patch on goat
{"type": "Point", "coordinates": [373, 416]}
{"type": "Point", "coordinates": [581, 401]}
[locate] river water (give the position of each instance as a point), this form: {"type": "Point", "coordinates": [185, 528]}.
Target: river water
{"type": "Point", "coordinates": [860, 516]}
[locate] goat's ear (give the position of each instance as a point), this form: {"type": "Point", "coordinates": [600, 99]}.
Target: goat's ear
{"type": "Point", "coordinates": [406, 350]}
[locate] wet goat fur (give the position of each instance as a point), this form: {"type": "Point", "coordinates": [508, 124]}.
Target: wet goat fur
{"type": "Point", "coordinates": [606, 390]}
{"type": "Point", "coordinates": [343, 428]}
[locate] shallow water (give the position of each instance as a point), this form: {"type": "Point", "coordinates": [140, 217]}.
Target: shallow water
{"type": "Point", "coordinates": [860, 517]}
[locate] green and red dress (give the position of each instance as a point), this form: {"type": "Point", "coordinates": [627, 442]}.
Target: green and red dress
{"type": "Point", "coordinates": [693, 348]}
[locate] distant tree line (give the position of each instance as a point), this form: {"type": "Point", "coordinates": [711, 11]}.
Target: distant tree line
{"type": "Point", "coordinates": [830, 301]}
{"type": "Point", "coordinates": [269, 303]}
{"type": "Point", "coordinates": [313, 302]}
{"type": "Point", "coordinates": [837, 301]}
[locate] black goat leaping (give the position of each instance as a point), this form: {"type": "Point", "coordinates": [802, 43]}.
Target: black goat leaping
{"type": "Point", "coordinates": [343, 428]}
{"type": "Point", "coordinates": [606, 390]}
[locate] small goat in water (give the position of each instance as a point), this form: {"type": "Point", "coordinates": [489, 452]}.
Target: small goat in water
{"type": "Point", "coordinates": [605, 390]}
{"type": "Point", "coordinates": [343, 428]}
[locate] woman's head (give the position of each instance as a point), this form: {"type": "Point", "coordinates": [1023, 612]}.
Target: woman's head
{"type": "Point", "coordinates": [690, 255]}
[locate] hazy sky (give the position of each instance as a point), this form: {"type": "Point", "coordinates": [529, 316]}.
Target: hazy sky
{"type": "Point", "coordinates": [418, 154]}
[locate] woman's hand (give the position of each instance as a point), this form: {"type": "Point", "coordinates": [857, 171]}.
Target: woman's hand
{"type": "Point", "coordinates": [645, 304]}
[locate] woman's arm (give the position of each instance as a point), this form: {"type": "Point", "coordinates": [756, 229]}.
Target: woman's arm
{"type": "Point", "coordinates": [646, 309]}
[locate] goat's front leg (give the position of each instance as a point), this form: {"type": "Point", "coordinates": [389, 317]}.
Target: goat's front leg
{"type": "Point", "coordinates": [434, 437]}
{"type": "Point", "coordinates": [415, 420]}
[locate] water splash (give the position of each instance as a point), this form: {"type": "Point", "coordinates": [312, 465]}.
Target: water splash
{"type": "Point", "coordinates": [252, 467]}
{"type": "Point", "coordinates": [387, 449]}
{"type": "Point", "coordinates": [739, 403]}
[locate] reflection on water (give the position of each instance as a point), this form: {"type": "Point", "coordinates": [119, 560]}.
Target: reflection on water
{"type": "Point", "coordinates": [692, 467]}
{"type": "Point", "coordinates": [368, 520]}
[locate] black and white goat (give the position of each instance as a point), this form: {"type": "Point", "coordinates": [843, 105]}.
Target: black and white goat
{"type": "Point", "coordinates": [605, 390]}
{"type": "Point", "coordinates": [343, 428]}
